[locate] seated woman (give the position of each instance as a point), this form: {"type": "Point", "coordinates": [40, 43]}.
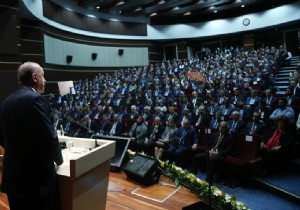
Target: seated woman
{"type": "Point", "coordinates": [138, 133]}
{"type": "Point", "coordinates": [166, 138]}
{"type": "Point", "coordinates": [276, 145]}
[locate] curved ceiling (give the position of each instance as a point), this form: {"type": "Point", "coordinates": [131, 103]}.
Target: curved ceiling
{"type": "Point", "coordinates": [165, 12]}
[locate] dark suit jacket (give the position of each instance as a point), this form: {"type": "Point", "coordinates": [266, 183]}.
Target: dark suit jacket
{"type": "Point", "coordinates": [190, 138]}
{"type": "Point", "coordinates": [31, 145]}
{"type": "Point", "coordinates": [118, 130]}
{"type": "Point", "coordinates": [239, 126]}
{"type": "Point", "coordinates": [225, 147]}
{"type": "Point", "coordinates": [258, 129]}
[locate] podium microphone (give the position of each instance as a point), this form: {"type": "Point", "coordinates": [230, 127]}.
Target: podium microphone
{"type": "Point", "coordinates": [90, 131]}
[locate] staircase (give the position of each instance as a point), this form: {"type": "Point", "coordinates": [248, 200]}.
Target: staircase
{"type": "Point", "coordinates": [283, 76]}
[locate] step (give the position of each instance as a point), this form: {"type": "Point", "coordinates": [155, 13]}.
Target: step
{"type": "Point", "coordinates": [282, 82]}
{"type": "Point", "coordinates": [283, 79]}
{"type": "Point", "coordinates": [287, 69]}
{"type": "Point", "coordinates": [277, 190]}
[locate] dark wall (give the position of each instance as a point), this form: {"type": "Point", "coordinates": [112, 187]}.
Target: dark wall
{"type": "Point", "coordinates": [10, 47]}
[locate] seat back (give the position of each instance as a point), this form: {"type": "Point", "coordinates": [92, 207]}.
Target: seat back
{"type": "Point", "coordinates": [247, 147]}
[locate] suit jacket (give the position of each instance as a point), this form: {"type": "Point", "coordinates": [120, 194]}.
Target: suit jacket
{"type": "Point", "coordinates": [264, 114]}
{"type": "Point", "coordinates": [258, 129]}
{"type": "Point", "coordinates": [238, 127]}
{"type": "Point", "coordinates": [204, 122]}
{"type": "Point", "coordinates": [188, 138]}
{"type": "Point", "coordinates": [244, 112]}
{"type": "Point", "coordinates": [31, 145]}
{"type": "Point", "coordinates": [255, 102]}
{"type": "Point", "coordinates": [118, 129]}
{"type": "Point", "coordinates": [213, 123]}
{"type": "Point", "coordinates": [226, 146]}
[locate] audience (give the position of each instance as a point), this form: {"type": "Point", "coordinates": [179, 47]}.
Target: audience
{"type": "Point", "coordinates": [238, 85]}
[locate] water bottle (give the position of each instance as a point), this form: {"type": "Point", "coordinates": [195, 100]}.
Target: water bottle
{"type": "Point", "coordinates": [62, 130]}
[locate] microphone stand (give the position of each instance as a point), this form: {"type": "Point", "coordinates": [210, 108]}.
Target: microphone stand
{"type": "Point", "coordinates": [89, 130]}
{"type": "Point", "coordinates": [209, 173]}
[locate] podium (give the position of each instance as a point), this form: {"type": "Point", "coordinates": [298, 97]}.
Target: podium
{"type": "Point", "coordinates": [83, 177]}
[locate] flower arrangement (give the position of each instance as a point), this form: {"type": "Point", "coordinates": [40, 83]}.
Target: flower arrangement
{"type": "Point", "coordinates": [219, 199]}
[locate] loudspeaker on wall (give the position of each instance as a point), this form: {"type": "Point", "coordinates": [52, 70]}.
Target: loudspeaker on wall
{"type": "Point", "coordinates": [94, 56]}
{"type": "Point", "coordinates": [121, 51]}
{"type": "Point", "coordinates": [142, 169]}
{"type": "Point", "coordinates": [69, 58]}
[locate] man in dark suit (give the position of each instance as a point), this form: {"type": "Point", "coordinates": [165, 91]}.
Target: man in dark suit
{"type": "Point", "coordinates": [220, 145]}
{"type": "Point", "coordinates": [256, 126]}
{"type": "Point", "coordinates": [31, 145]}
{"type": "Point", "coordinates": [236, 125]}
{"type": "Point", "coordinates": [186, 139]}
{"type": "Point", "coordinates": [115, 128]}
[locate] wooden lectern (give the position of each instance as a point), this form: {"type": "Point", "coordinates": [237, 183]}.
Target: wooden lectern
{"type": "Point", "coordinates": [83, 177]}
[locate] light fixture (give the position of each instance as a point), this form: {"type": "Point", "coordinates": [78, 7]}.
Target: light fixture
{"type": "Point", "coordinates": [161, 2]}
{"type": "Point", "coordinates": [175, 8]}
{"type": "Point", "coordinates": [98, 7]}
{"type": "Point", "coordinates": [200, 1]}
{"type": "Point", "coordinates": [138, 9]}
{"type": "Point", "coordinates": [152, 14]}
{"type": "Point", "coordinates": [120, 3]}
{"type": "Point", "coordinates": [243, 5]}
{"type": "Point", "coordinates": [186, 13]}
{"type": "Point", "coordinates": [215, 11]}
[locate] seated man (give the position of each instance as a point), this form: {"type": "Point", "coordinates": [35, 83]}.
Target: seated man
{"type": "Point", "coordinates": [255, 127]}
{"type": "Point", "coordinates": [186, 138]}
{"type": "Point", "coordinates": [220, 145]}
{"type": "Point", "coordinates": [283, 110]}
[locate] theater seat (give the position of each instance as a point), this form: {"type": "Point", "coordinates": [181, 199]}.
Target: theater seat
{"type": "Point", "coordinates": [245, 161]}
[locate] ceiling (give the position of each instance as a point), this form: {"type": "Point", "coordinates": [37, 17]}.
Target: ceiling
{"type": "Point", "coordinates": [163, 12]}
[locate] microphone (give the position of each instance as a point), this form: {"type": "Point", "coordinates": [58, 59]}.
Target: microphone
{"type": "Point", "coordinates": [89, 130]}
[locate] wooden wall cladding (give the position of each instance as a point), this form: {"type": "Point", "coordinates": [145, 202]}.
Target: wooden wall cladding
{"type": "Point", "coordinates": [69, 18]}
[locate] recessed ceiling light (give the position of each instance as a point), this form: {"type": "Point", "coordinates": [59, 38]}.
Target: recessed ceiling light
{"type": "Point", "coordinates": [152, 14]}
{"type": "Point", "coordinates": [175, 8]}
{"type": "Point", "coordinates": [161, 2]}
{"type": "Point", "coordinates": [186, 13]}
{"type": "Point", "coordinates": [215, 11]}
{"type": "Point", "coordinates": [243, 5]}
{"type": "Point", "coordinates": [120, 3]}
{"type": "Point", "coordinates": [200, 1]}
{"type": "Point", "coordinates": [138, 9]}
{"type": "Point", "coordinates": [98, 7]}
{"type": "Point", "coordinates": [120, 12]}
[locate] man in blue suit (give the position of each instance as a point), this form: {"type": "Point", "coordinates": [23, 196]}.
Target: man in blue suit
{"type": "Point", "coordinates": [31, 145]}
{"type": "Point", "coordinates": [186, 139]}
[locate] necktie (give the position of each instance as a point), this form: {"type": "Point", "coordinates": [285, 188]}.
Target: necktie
{"type": "Point", "coordinates": [233, 126]}
{"type": "Point", "coordinates": [181, 141]}
{"type": "Point", "coordinates": [253, 129]}
{"type": "Point", "coordinates": [113, 129]}
{"type": "Point", "coordinates": [216, 124]}
{"type": "Point", "coordinates": [218, 142]}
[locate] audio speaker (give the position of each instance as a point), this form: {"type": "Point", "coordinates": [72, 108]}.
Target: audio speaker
{"type": "Point", "coordinates": [94, 56]}
{"type": "Point", "coordinates": [121, 52]}
{"type": "Point", "coordinates": [69, 58]}
{"type": "Point", "coordinates": [142, 169]}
